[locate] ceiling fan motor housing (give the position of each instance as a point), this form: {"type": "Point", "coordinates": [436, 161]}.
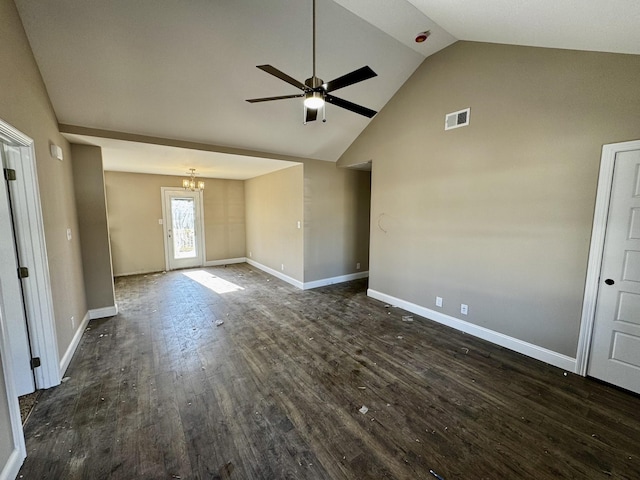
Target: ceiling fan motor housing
{"type": "Point", "coordinates": [313, 82]}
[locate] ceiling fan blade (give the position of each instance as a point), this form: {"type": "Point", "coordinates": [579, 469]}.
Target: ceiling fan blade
{"type": "Point", "coordinates": [268, 99]}
{"type": "Point", "coordinates": [353, 107]}
{"type": "Point", "coordinates": [283, 76]}
{"type": "Point", "coordinates": [310, 114]}
{"type": "Point", "coordinates": [356, 76]}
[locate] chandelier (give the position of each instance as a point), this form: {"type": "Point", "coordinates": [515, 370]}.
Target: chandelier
{"type": "Point", "coordinates": [191, 184]}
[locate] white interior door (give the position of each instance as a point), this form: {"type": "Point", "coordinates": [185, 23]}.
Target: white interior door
{"type": "Point", "coordinates": [12, 297]}
{"type": "Point", "coordinates": [615, 348]}
{"type": "Point", "coordinates": [183, 220]}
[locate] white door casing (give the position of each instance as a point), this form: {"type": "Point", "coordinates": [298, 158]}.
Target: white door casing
{"type": "Point", "coordinates": [12, 300]}
{"type": "Point", "coordinates": [29, 229]}
{"type": "Point", "coordinates": [31, 247]}
{"type": "Point", "coordinates": [615, 351]}
{"type": "Point", "coordinates": [173, 258]}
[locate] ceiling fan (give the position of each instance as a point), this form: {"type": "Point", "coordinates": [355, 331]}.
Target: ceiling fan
{"type": "Point", "coordinates": [315, 91]}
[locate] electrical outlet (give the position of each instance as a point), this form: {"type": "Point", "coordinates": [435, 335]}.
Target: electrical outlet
{"type": "Point", "coordinates": [69, 234]}
{"type": "Point", "coordinates": [438, 301]}
{"type": "Point", "coordinates": [250, 254]}
{"type": "Point", "coordinates": [464, 309]}
{"type": "Point", "coordinates": [73, 322]}
{"type": "Point", "coordinates": [299, 225]}
{"type": "Point", "coordinates": [358, 266]}
{"type": "Point", "coordinates": [282, 268]}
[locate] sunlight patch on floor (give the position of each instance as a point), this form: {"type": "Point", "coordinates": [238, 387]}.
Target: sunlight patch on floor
{"type": "Point", "coordinates": [213, 283]}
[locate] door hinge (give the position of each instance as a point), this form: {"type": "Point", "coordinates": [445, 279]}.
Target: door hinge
{"type": "Point", "coordinates": [10, 174]}
{"type": "Point", "coordinates": [23, 272]}
{"type": "Point", "coordinates": [35, 362]}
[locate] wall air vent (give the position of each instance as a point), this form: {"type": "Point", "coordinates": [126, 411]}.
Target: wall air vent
{"type": "Point", "coordinates": [457, 119]}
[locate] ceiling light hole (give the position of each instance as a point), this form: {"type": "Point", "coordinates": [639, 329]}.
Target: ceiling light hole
{"type": "Point", "coordinates": [422, 36]}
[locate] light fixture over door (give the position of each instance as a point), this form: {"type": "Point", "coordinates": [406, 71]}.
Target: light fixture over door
{"type": "Point", "coordinates": [191, 184]}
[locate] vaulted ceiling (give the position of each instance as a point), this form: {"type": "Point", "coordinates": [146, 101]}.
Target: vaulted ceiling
{"type": "Point", "coordinates": [182, 69]}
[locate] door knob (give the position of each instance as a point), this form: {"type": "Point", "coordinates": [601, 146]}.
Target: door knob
{"type": "Point", "coordinates": [609, 281]}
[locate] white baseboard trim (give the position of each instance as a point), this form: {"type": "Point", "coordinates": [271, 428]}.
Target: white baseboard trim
{"type": "Point", "coordinates": [534, 351]}
{"type": "Point", "coordinates": [228, 261]}
{"type": "Point", "coordinates": [71, 349]}
{"type": "Point", "coordinates": [275, 273]}
{"type": "Point", "coordinates": [103, 312]}
{"type": "Point", "coordinates": [339, 279]}
{"type": "Point", "coordinates": [138, 272]}
{"type": "Point", "coordinates": [12, 467]}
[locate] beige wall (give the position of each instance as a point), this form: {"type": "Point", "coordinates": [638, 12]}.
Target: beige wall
{"type": "Point", "coordinates": [336, 212]}
{"type": "Point", "coordinates": [24, 103]}
{"type": "Point", "coordinates": [274, 205]}
{"type": "Point", "coordinates": [498, 214]}
{"type": "Point", "coordinates": [224, 223]}
{"type": "Point", "coordinates": [93, 227]}
{"type": "Point", "coordinates": [134, 205]}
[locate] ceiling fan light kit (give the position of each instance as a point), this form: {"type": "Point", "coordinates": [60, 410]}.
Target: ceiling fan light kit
{"type": "Point", "coordinates": [315, 91]}
{"type": "Point", "coordinates": [313, 100]}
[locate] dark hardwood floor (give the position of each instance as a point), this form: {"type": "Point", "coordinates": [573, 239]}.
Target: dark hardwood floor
{"type": "Point", "coordinates": [275, 392]}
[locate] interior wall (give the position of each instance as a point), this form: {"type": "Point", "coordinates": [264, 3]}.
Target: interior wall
{"type": "Point", "coordinates": [25, 104]}
{"type": "Point", "coordinates": [496, 215]}
{"type": "Point", "coordinates": [274, 206]}
{"type": "Point", "coordinates": [224, 224]}
{"type": "Point", "coordinates": [91, 204]}
{"type": "Point", "coordinates": [336, 212]}
{"type": "Point", "coordinates": [134, 206]}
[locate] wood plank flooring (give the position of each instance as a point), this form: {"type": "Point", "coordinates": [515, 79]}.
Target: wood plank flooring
{"type": "Point", "coordinates": [161, 392]}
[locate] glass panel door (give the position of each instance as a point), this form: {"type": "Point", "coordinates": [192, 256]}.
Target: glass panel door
{"type": "Point", "coordinates": [184, 241]}
{"type": "Point", "coordinates": [184, 227]}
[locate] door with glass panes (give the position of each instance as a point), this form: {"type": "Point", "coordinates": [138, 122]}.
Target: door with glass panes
{"type": "Point", "coordinates": [182, 218]}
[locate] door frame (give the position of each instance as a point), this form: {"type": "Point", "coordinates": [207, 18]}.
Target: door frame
{"type": "Point", "coordinates": [596, 250]}
{"type": "Point", "coordinates": [199, 220]}
{"type": "Point", "coordinates": [33, 252]}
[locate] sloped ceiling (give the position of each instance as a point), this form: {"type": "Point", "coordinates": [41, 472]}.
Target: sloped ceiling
{"type": "Point", "coordinates": [182, 70]}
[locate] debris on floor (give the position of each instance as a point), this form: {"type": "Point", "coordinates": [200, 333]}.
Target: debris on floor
{"type": "Point", "coordinates": [407, 318]}
{"type": "Point", "coordinates": [363, 410]}
{"type": "Point", "coordinates": [219, 322]}
{"type": "Point", "coordinates": [436, 475]}
{"type": "Point", "coordinates": [466, 350]}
